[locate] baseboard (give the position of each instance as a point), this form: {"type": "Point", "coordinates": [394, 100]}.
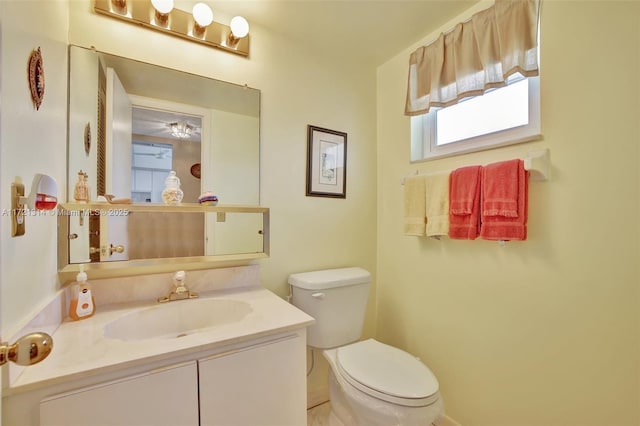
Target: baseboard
{"type": "Point", "coordinates": [444, 421]}
{"type": "Point", "coordinates": [316, 398]}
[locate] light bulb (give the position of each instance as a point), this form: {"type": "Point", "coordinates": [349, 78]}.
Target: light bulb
{"type": "Point", "coordinates": [239, 27]}
{"type": "Point", "coordinates": [163, 6]}
{"type": "Point", "coordinates": [202, 14]}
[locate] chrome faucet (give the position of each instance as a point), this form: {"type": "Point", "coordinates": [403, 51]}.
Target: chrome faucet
{"type": "Point", "coordinates": [180, 290]}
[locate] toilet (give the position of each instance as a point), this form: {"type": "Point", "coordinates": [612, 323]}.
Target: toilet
{"type": "Point", "coordinates": [370, 383]}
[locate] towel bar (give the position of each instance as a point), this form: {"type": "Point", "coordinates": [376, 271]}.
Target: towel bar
{"type": "Point", "coordinates": [538, 163]}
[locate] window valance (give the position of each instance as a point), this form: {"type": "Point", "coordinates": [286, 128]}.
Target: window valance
{"type": "Point", "coordinates": [477, 55]}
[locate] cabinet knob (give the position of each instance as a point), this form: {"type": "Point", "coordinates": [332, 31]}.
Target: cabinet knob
{"type": "Point", "coordinates": [116, 249]}
{"type": "Point", "coordinates": [27, 350]}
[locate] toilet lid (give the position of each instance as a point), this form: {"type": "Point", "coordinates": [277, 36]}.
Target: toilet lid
{"type": "Point", "coordinates": [387, 373]}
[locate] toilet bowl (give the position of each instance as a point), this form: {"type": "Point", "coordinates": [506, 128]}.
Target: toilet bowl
{"type": "Point", "coordinates": [374, 384]}
{"type": "Point", "coordinates": [370, 383]}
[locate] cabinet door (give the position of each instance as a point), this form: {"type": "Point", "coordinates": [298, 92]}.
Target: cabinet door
{"type": "Point", "coordinates": [262, 385]}
{"type": "Point", "coordinates": [166, 397]}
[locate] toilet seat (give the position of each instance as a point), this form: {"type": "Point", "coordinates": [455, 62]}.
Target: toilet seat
{"type": "Point", "coordinates": [387, 373]}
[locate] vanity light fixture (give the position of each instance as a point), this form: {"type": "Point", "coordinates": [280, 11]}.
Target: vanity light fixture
{"type": "Point", "coordinates": [203, 17]}
{"type": "Point", "coordinates": [181, 129]}
{"type": "Point", "coordinates": [198, 26]}
{"type": "Point", "coordinates": [120, 5]}
{"type": "Point", "coordinates": [239, 30]}
{"type": "Point", "coordinates": [162, 10]}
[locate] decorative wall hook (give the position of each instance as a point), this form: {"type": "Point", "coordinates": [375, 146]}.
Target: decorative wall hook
{"type": "Point", "coordinates": [87, 138]}
{"type": "Point", "coordinates": [36, 77]}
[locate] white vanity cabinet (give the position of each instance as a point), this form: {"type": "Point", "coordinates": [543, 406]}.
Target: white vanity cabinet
{"type": "Point", "coordinates": [168, 397]}
{"type": "Point", "coordinates": [256, 382]}
{"type": "Point", "coordinates": [259, 385]}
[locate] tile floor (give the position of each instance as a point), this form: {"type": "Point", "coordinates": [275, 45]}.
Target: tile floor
{"type": "Point", "coordinates": [319, 415]}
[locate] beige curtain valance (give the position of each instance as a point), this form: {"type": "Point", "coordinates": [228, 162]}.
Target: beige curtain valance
{"type": "Point", "coordinates": [475, 56]}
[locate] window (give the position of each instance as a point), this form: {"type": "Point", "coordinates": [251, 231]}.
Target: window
{"type": "Point", "coordinates": [150, 166]}
{"type": "Point", "coordinates": [503, 116]}
{"type": "Point", "coordinates": [476, 86]}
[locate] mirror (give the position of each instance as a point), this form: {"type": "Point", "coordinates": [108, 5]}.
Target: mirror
{"type": "Point", "coordinates": [122, 114]}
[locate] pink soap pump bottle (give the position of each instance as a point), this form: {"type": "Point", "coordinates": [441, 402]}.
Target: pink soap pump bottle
{"type": "Point", "coordinates": [82, 303]}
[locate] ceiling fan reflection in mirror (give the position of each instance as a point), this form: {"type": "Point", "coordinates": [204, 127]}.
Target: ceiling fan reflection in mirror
{"type": "Point", "coordinates": [166, 124]}
{"type": "Point", "coordinates": [159, 155]}
{"type": "Point", "coordinates": [156, 151]}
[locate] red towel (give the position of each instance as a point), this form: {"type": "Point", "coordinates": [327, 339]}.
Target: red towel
{"type": "Point", "coordinates": [500, 189]}
{"type": "Point", "coordinates": [464, 203]}
{"type": "Point", "coordinates": [505, 184]}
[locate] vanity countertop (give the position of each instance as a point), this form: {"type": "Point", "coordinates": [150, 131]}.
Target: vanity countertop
{"type": "Point", "coordinates": [80, 347]}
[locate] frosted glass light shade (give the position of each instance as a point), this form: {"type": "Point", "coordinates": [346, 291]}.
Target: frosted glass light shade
{"type": "Point", "coordinates": [163, 6]}
{"type": "Point", "coordinates": [202, 14]}
{"type": "Point", "coordinates": [181, 129]}
{"type": "Point", "coordinates": [239, 26]}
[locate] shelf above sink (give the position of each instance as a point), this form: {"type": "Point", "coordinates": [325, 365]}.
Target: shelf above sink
{"type": "Point", "coordinates": [163, 208]}
{"type": "Point", "coordinates": [79, 214]}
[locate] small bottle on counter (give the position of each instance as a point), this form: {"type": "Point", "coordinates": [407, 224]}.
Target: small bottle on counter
{"type": "Point", "coordinates": [82, 303]}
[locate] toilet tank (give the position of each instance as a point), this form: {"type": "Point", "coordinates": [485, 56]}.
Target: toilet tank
{"type": "Point", "coordinates": [337, 299]}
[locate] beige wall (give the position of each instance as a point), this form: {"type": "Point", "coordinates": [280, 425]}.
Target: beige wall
{"type": "Point", "coordinates": [31, 141]}
{"type": "Point", "coordinates": [542, 332]}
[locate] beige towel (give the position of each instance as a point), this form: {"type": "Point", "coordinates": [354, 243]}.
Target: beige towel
{"type": "Point", "coordinates": [437, 204]}
{"type": "Point", "coordinates": [414, 206]}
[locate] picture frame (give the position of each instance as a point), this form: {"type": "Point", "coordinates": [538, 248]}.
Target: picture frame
{"type": "Point", "coordinates": [326, 162]}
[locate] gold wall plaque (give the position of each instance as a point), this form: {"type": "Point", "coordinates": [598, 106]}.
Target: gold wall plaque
{"type": "Point", "coordinates": [36, 77]}
{"type": "Point", "coordinates": [87, 138]}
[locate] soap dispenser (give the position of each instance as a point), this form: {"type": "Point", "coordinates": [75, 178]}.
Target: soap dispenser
{"type": "Point", "coordinates": [172, 194]}
{"type": "Point", "coordinates": [82, 303]}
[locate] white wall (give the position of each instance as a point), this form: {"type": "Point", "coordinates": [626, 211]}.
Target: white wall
{"type": "Point", "coordinates": [233, 137]}
{"type": "Point", "coordinates": [31, 142]}
{"type": "Point", "coordinates": [546, 331]}
{"type": "Point", "coordinates": [83, 110]}
{"type": "Point", "coordinates": [232, 178]}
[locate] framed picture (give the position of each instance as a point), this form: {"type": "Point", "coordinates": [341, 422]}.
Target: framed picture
{"type": "Point", "coordinates": [326, 162]}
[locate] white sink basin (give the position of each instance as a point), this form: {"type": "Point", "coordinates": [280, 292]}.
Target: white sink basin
{"type": "Point", "coordinates": [176, 319]}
